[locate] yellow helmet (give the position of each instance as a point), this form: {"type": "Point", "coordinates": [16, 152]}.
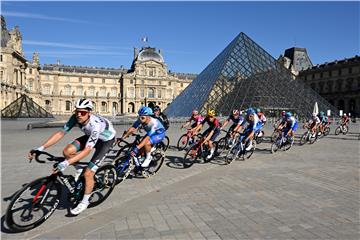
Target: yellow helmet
{"type": "Point", "coordinates": [211, 112]}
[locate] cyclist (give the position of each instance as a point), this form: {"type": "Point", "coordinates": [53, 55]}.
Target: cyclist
{"type": "Point", "coordinates": [313, 123]}
{"type": "Point", "coordinates": [344, 119]}
{"type": "Point", "coordinates": [291, 125]}
{"type": "Point", "coordinates": [155, 133]}
{"type": "Point", "coordinates": [158, 114]}
{"type": "Point", "coordinates": [261, 116]}
{"type": "Point", "coordinates": [99, 134]}
{"type": "Point", "coordinates": [212, 132]}
{"type": "Point", "coordinates": [254, 125]}
{"type": "Point", "coordinates": [323, 120]}
{"type": "Point", "coordinates": [237, 119]}
{"type": "Point", "coordinates": [197, 118]}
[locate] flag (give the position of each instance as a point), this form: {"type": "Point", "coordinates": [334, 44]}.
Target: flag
{"type": "Point", "coordinates": [144, 39]}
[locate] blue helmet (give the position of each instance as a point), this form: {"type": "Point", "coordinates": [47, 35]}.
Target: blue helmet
{"type": "Point", "coordinates": [322, 113]}
{"type": "Point", "coordinates": [250, 111]}
{"type": "Point", "coordinates": [145, 111]}
{"type": "Point", "coordinates": [257, 110]}
{"type": "Point", "coordinates": [288, 114]}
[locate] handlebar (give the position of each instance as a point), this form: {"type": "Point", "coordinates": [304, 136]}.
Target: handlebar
{"type": "Point", "coordinates": [49, 157]}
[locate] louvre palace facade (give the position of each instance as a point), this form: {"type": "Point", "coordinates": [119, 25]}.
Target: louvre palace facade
{"type": "Point", "coordinates": [56, 87]}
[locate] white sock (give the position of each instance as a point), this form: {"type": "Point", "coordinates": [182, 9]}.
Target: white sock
{"type": "Point", "coordinates": [147, 160]}
{"type": "Point", "coordinates": [86, 198]}
{"type": "Point", "coordinates": [212, 150]}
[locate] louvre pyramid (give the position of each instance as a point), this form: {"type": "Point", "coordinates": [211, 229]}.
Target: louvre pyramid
{"type": "Point", "coordinates": [244, 75]}
{"type": "Point", "coordinates": [24, 107]}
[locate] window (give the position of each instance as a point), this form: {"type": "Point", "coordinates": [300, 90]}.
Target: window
{"type": "Point", "coordinates": [68, 106]}
{"type": "Point", "coordinates": [102, 92]}
{"type": "Point", "coordinates": [79, 91]}
{"type": "Point", "coordinates": [47, 103]}
{"type": "Point", "coordinates": [80, 79]}
{"type": "Point", "coordinates": [68, 90]}
{"type": "Point", "coordinates": [91, 91]}
{"type": "Point", "coordinates": [30, 86]}
{"type": "Point", "coordinates": [103, 80]}
{"type": "Point", "coordinates": [131, 81]}
{"type": "Point", "coordinates": [1, 58]}
{"type": "Point", "coordinates": [103, 107]}
{"type": "Point", "coordinates": [151, 93]}
{"type": "Point", "coordinates": [92, 80]}
{"type": "Point", "coordinates": [30, 70]}
{"type": "Point", "coordinates": [159, 93]}
{"type": "Point", "coordinates": [169, 93]}
{"type": "Point", "coordinates": [330, 73]}
{"type": "Point", "coordinates": [151, 72]}
{"type": "Point", "coordinates": [181, 85]}
{"type": "Point", "coordinates": [113, 92]}
{"type": "Point", "coordinates": [350, 70]}
{"type": "Point", "coordinates": [169, 84]}
{"type": "Point", "coordinates": [321, 75]}
{"type": "Point", "coordinates": [46, 89]}
{"type": "Point", "coordinates": [339, 72]}
{"type": "Point", "coordinates": [67, 79]}
{"type": "Point", "coordinates": [1, 75]}
{"type": "Point", "coordinates": [130, 92]}
{"type": "Point", "coordinates": [142, 82]}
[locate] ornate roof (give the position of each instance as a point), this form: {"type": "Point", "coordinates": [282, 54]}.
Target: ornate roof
{"type": "Point", "coordinates": [148, 54]}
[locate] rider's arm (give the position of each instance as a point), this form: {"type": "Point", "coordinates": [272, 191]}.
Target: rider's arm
{"type": "Point", "coordinates": [224, 124]}
{"type": "Point", "coordinates": [54, 139]}
{"type": "Point", "coordinates": [128, 132]}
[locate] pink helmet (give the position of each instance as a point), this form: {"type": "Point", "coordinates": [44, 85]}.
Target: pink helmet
{"type": "Point", "coordinates": [235, 112]}
{"type": "Point", "coordinates": [195, 112]}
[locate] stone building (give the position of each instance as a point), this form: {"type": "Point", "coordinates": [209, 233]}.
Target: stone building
{"type": "Point", "coordinates": [338, 82]}
{"type": "Point", "coordinates": [56, 87]}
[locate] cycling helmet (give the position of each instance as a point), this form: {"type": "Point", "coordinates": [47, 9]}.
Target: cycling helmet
{"type": "Point", "coordinates": [195, 112]}
{"type": "Point", "coordinates": [257, 110]}
{"type": "Point", "coordinates": [235, 112]}
{"type": "Point", "coordinates": [157, 108]}
{"type": "Point", "coordinates": [241, 112]}
{"type": "Point", "coordinates": [250, 111]}
{"type": "Point", "coordinates": [145, 111]}
{"type": "Point", "coordinates": [322, 113]}
{"type": "Point", "coordinates": [288, 114]}
{"type": "Point", "coordinates": [211, 112]}
{"type": "Point", "coordinates": [283, 113]}
{"type": "Point", "coordinates": [345, 114]}
{"type": "Point", "coordinates": [151, 105]}
{"type": "Point", "coordinates": [84, 103]}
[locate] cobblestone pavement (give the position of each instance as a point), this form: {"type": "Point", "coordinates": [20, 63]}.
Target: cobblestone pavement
{"type": "Point", "coordinates": [309, 192]}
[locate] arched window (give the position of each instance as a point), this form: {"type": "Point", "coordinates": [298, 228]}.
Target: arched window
{"type": "Point", "coordinates": [68, 106]}
{"type": "Point", "coordinates": [102, 92]}
{"type": "Point", "coordinates": [131, 107]}
{"type": "Point", "coordinates": [151, 93]}
{"type": "Point", "coordinates": [114, 107]}
{"type": "Point", "coordinates": [130, 92]}
{"type": "Point", "coordinates": [103, 106]}
{"type": "Point", "coordinates": [67, 90]}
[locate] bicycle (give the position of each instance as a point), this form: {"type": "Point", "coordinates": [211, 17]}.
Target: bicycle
{"type": "Point", "coordinates": [125, 163]}
{"type": "Point", "coordinates": [342, 128]}
{"type": "Point", "coordinates": [184, 139]}
{"type": "Point", "coordinates": [238, 150]}
{"type": "Point", "coordinates": [308, 136]}
{"type": "Point", "coordinates": [225, 143]}
{"type": "Point", "coordinates": [37, 201]}
{"type": "Point", "coordinates": [276, 133]}
{"type": "Point", "coordinates": [259, 138]}
{"type": "Point", "coordinates": [282, 142]}
{"type": "Point", "coordinates": [199, 149]}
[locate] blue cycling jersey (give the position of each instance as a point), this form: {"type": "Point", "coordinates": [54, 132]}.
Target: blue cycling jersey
{"type": "Point", "coordinates": [153, 127]}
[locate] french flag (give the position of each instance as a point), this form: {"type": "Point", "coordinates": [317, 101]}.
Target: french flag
{"type": "Point", "coordinates": [144, 39]}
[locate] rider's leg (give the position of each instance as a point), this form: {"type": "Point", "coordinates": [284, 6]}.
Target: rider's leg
{"type": "Point", "coordinates": [150, 141]}
{"type": "Point", "coordinates": [73, 149]}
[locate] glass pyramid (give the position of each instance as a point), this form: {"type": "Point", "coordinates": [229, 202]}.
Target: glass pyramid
{"type": "Point", "coordinates": [24, 107]}
{"type": "Point", "coordinates": [244, 75]}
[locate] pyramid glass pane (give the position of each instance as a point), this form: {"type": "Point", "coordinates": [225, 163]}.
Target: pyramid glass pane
{"type": "Point", "coordinates": [244, 75]}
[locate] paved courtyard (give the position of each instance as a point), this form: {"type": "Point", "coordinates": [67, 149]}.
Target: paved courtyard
{"type": "Point", "coordinates": [309, 192]}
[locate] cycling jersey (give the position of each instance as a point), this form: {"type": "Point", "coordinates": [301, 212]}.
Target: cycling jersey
{"type": "Point", "coordinates": [291, 123]}
{"type": "Point", "coordinates": [198, 119]}
{"type": "Point", "coordinates": [212, 124]}
{"type": "Point", "coordinates": [254, 125]}
{"type": "Point", "coordinates": [152, 128]}
{"type": "Point", "coordinates": [314, 120]}
{"type": "Point", "coordinates": [97, 128]}
{"type": "Point", "coordinates": [238, 121]}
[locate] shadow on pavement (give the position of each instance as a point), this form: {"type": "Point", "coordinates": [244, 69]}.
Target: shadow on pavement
{"type": "Point", "coordinates": [174, 162]}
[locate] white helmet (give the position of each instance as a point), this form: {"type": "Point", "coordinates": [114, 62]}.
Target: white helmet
{"type": "Point", "coordinates": [314, 115]}
{"type": "Point", "coordinates": [83, 103]}
{"type": "Point", "coordinates": [345, 114]}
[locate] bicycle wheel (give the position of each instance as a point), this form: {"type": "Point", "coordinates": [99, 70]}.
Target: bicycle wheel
{"type": "Point", "coordinates": [33, 204]}
{"type": "Point", "coordinates": [345, 130]}
{"type": "Point", "coordinates": [190, 157]}
{"type": "Point", "coordinates": [221, 146]}
{"type": "Point", "coordinates": [182, 142]}
{"type": "Point", "coordinates": [327, 131]}
{"type": "Point", "coordinates": [274, 136]}
{"type": "Point", "coordinates": [123, 166]}
{"type": "Point", "coordinates": [304, 138]}
{"type": "Point", "coordinates": [165, 143]}
{"type": "Point", "coordinates": [288, 144]}
{"type": "Point", "coordinates": [105, 180]}
{"type": "Point", "coordinates": [233, 153]}
{"type": "Point", "coordinates": [337, 130]}
{"type": "Point", "coordinates": [260, 139]}
{"type": "Point", "coordinates": [249, 153]}
{"type": "Point", "coordinates": [275, 146]}
{"type": "Point", "coordinates": [154, 166]}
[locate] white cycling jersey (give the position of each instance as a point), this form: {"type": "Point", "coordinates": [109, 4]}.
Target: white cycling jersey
{"type": "Point", "coordinates": [98, 127]}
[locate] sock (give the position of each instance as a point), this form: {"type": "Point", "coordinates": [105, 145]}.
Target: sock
{"type": "Point", "coordinates": [86, 198]}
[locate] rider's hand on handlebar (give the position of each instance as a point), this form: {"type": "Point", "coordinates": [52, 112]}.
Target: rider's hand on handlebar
{"type": "Point", "coordinates": [61, 166]}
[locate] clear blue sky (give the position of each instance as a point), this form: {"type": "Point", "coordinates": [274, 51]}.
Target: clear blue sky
{"type": "Point", "coordinates": [190, 34]}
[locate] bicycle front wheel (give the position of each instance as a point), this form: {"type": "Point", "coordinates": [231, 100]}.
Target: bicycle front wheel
{"type": "Point", "coordinates": [155, 165]}
{"type": "Point", "coordinates": [182, 142]}
{"type": "Point", "coordinates": [105, 180]}
{"type": "Point", "coordinates": [275, 146]}
{"type": "Point", "coordinates": [190, 157]}
{"type": "Point", "coordinates": [33, 204]}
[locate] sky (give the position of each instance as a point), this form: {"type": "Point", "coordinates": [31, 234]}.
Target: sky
{"type": "Point", "coordinates": [190, 34]}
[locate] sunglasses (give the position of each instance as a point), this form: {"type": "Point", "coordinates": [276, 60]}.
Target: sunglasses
{"type": "Point", "coordinates": [142, 118]}
{"type": "Point", "coordinates": [82, 113]}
